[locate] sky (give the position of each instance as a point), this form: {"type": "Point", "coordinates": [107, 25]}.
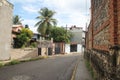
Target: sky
{"type": "Point", "coordinates": [68, 12]}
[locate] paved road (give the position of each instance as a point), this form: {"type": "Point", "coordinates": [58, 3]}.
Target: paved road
{"type": "Point", "coordinates": [54, 68]}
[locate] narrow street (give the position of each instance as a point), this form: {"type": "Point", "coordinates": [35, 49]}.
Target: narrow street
{"type": "Point", "coordinates": [54, 68]}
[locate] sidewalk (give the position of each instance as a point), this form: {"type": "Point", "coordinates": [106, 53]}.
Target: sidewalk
{"type": "Point", "coordinates": [81, 72]}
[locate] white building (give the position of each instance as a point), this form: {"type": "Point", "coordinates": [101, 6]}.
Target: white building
{"type": "Point", "coordinates": [76, 41]}
{"type": "Point", "coordinates": [6, 9]}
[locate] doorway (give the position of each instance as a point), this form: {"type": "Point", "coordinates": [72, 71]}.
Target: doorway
{"type": "Point", "coordinates": [73, 48]}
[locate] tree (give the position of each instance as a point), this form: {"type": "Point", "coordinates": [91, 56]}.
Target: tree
{"type": "Point", "coordinates": [17, 20]}
{"type": "Point", "coordinates": [60, 34]}
{"type": "Point", "coordinates": [23, 38]}
{"type": "Point", "coordinates": [26, 26]}
{"type": "Point", "coordinates": [46, 21]}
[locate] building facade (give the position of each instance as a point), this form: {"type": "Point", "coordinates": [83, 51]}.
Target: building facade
{"type": "Point", "coordinates": [16, 29]}
{"type": "Point", "coordinates": [76, 40]}
{"type": "Point", "coordinates": [6, 9]}
{"type": "Point", "coordinates": [103, 39]}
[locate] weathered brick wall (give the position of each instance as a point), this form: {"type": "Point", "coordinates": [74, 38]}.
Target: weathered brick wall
{"type": "Point", "coordinates": [100, 21]}
{"type": "Point", "coordinates": [5, 29]}
{"type": "Point", "coordinates": [105, 52]}
{"type": "Point", "coordinates": [101, 39]}
{"type": "Point", "coordinates": [90, 43]}
{"type": "Point", "coordinates": [118, 14]}
{"type": "Point", "coordinates": [86, 40]}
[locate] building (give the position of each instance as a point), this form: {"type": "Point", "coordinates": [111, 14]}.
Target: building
{"type": "Point", "coordinates": [16, 29]}
{"type": "Point", "coordinates": [76, 40]}
{"type": "Point", "coordinates": [6, 9]}
{"type": "Point", "coordinates": [103, 39]}
{"type": "Point", "coordinates": [36, 36]}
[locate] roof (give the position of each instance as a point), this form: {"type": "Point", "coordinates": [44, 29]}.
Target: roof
{"type": "Point", "coordinates": [74, 27]}
{"type": "Point", "coordinates": [17, 26]}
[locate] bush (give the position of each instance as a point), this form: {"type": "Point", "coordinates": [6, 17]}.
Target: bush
{"type": "Point", "coordinates": [1, 64]}
{"type": "Point", "coordinates": [89, 67]}
{"type": "Point", "coordinates": [23, 38]}
{"type": "Point", "coordinates": [13, 62]}
{"type": "Point", "coordinates": [33, 45]}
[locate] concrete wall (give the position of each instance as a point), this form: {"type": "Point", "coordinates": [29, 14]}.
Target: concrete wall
{"type": "Point", "coordinates": [5, 29]}
{"type": "Point", "coordinates": [67, 48]}
{"type": "Point", "coordinates": [25, 53]}
{"type": "Point", "coordinates": [77, 35]}
{"type": "Point", "coordinates": [79, 48]}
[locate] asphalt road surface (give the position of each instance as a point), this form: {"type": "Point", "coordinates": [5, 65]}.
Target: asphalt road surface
{"type": "Point", "coordinates": [54, 68]}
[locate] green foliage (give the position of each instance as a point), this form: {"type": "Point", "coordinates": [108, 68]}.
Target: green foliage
{"type": "Point", "coordinates": [17, 20]}
{"type": "Point", "coordinates": [89, 67]}
{"type": "Point", "coordinates": [60, 35]}
{"type": "Point", "coordinates": [33, 45]}
{"type": "Point", "coordinates": [46, 21]}
{"type": "Point", "coordinates": [1, 65]}
{"type": "Point", "coordinates": [13, 62]}
{"type": "Point", "coordinates": [27, 32]}
{"type": "Point", "coordinates": [23, 38]}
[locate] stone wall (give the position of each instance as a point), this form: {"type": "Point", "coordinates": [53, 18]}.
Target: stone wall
{"type": "Point", "coordinates": [5, 29]}
{"type": "Point", "coordinates": [101, 39]}
{"type": "Point", "coordinates": [106, 64]}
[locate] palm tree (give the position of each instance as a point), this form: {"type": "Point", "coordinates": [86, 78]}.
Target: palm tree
{"type": "Point", "coordinates": [17, 20]}
{"type": "Point", "coordinates": [46, 21]}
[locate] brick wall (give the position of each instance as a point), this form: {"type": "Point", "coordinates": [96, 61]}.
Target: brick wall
{"type": "Point", "coordinates": [105, 24]}
{"type": "Point", "coordinates": [118, 14]}
{"type": "Point", "coordinates": [89, 40]}
{"type": "Point", "coordinates": [105, 28]}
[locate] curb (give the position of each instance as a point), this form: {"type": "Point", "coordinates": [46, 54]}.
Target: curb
{"type": "Point", "coordinates": [17, 61]}
{"type": "Point", "coordinates": [74, 70]}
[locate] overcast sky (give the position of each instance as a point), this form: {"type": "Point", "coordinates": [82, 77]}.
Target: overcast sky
{"type": "Point", "coordinates": [68, 12]}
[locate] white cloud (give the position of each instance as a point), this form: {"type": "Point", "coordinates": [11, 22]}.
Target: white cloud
{"type": "Point", "coordinates": [23, 1]}
{"type": "Point", "coordinates": [31, 23]}
{"type": "Point", "coordinates": [30, 8]}
{"type": "Point", "coordinates": [70, 12]}
{"type": "Point", "coordinates": [74, 12]}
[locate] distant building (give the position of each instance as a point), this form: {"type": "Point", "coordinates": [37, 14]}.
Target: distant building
{"type": "Point", "coordinates": [77, 34]}
{"type": "Point", "coordinates": [76, 40]}
{"type": "Point", "coordinates": [6, 9]}
{"type": "Point", "coordinates": [16, 29]}
{"type": "Point", "coordinates": [36, 36]}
